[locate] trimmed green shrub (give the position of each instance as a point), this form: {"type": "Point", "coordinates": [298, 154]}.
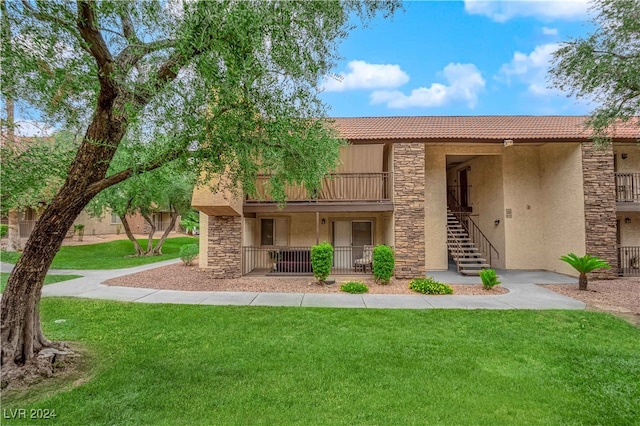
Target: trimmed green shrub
{"type": "Point", "coordinates": [429, 286]}
{"type": "Point", "coordinates": [321, 260]}
{"type": "Point", "coordinates": [79, 229]}
{"type": "Point", "coordinates": [489, 278]}
{"type": "Point", "coordinates": [384, 262]}
{"type": "Point", "coordinates": [3, 230]}
{"type": "Point", "coordinates": [354, 287]}
{"type": "Point", "coordinates": [188, 253]}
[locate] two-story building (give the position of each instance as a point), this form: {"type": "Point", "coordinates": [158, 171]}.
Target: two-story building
{"type": "Point", "coordinates": [510, 192]}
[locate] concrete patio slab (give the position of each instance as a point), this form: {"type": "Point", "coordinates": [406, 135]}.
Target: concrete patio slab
{"type": "Point", "coordinates": [230, 298]}
{"type": "Point", "coordinates": [173, 296]}
{"type": "Point", "coordinates": [396, 301]}
{"type": "Point", "coordinates": [278, 299]}
{"type": "Point", "coordinates": [333, 300]}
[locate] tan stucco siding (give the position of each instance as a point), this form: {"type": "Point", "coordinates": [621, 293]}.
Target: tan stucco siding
{"type": "Point", "coordinates": [631, 164]}
{"type": "Point", "coordinates": [203, 242]}
{"type": "Point", "coordinates": [487, 199]}
{"type": "Point", "coordinates": [524, 242]}
{"type": "Point", "coordinates": [435, 205]}
{"type": "Point", "coordinates": [302, 226]}
{"type": "Point", "coordinates": [563, 204]}
{"type": "Point", "coordinates": [629, 232]}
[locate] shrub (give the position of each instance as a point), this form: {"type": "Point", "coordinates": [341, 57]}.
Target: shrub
{"type": "Point", "coordinates": [188, 253]}
{"type": "Point", "coordinates": [3, 230]}
{"type": "Point", "coordinates": [584, 265]}
{"type": "Point", "coordinates": [383, 263]}
{"type": "Point", "coordinates": [429, 286]}
{"type": "Point", "coordinates": [354, 287]}
{"type": "Point", "coordinates": [489, 278]}
{"type": "Point", "coordinates": [321, 260]}
{"type": "Point", "coordinates": [79, 229]}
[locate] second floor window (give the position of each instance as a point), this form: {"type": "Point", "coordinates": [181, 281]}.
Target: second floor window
{"type": "Point", "coordinates": [274, 232]}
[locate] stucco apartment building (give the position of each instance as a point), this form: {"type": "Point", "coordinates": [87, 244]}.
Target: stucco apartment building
{"type": "Point", "coordinates": [510, 192]}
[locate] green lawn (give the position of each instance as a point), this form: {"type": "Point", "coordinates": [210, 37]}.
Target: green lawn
{"type": "Point", "coordinates": [202, 365]}
{"type": "Point", "coordinates": [49, 279]}
{"type": "Point", "coordinates": [111, 255]}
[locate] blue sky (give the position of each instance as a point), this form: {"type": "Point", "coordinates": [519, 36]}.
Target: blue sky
{"type": "Point", "coordinates": [458, 58]}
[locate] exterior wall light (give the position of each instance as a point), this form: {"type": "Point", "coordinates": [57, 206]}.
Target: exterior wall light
{"type": "Point", "coordinates": [324, 221]}
{"type": "Point", "coordinates": [508, 142]}
{"type": "Point", "coordinates": [624, 156]}
{"type": "Point", "coordinates": [496, 222]}
{"type": "Point", "coordinates": [627, 220]}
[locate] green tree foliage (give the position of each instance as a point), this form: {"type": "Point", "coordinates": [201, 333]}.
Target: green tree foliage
{"type": "Point", "coordinates": [605, 66]}
{"type": "Point", "coordinates": [584, 265]}
{"type": "Point", "coordinates": [226, 86]}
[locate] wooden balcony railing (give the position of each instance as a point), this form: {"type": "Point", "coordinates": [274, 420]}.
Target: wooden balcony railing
{"type": "Point", "coordinates": [628, 187]}
{"type": "Point", "coordinates": [335, 187]}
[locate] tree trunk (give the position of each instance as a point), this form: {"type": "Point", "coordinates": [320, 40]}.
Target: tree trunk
{"type": "Point", "coordinates": [582, 281]}
{"type": "Point", "coordinates": [172, 223]}
{"type": "Point", "coordinates": [21, 336]}
{"type": "Point", "coordinates": [152, 230]}
{"type": "Point", "coordinates": [132, 238]}
{"type": "Point", "coordinates": [14, 243]}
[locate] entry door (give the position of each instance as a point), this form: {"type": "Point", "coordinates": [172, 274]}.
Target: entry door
{"type": "Point", "coordinates": [464, 194]}
{"type": "Point", "coordinates": [342, 244]}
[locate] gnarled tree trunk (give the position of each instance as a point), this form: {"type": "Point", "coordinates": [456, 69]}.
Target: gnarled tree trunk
{"type": "Point", "coordinates": [152, 230]}
{"type": "Point", "coordinates": [14, 243]}
{"type": "Point", "coordinates": [132, 238]}
{"type": "Point", "coordinates": [174, 216]}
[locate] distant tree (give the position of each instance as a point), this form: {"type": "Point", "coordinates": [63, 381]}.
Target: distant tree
{"type": "Point", "coordinates": [605, 66]}
{"type": "Point", "coordinates": [227, 86]}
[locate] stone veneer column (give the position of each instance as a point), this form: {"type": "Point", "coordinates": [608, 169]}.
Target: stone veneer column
{"type": "Point", "coordinates": [408, 200]}
{"type": "Point", "coordinates": [600, 207]}
{"type": "Point", "coordinates": [225, 246]}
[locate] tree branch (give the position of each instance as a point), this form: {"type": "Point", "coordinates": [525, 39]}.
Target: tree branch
{"type": "Point", "coordinates": [93, 38]}
{"type": "Point", "coordinates": [616, 55]}
{"type": "Point", "coordinates": [44, 17]}
{"type": "Point", "coordinates": [127, 27]}
{"type": "Point", "coordinates": [131, 54]}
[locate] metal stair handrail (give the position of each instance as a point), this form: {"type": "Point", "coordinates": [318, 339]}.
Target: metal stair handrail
{"type": "Point", "coordinates": [456, 258]}
{"type": "Point", "coordinates": [477, 236]}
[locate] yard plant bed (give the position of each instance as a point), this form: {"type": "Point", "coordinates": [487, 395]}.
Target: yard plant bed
{"type": "Point", "coordinates": [182, 364]}
{"type": "Point", "coordinates": [192, 278]}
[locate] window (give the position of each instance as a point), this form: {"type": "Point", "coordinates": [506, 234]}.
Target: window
{"type": "Point", "coordinates": [274, 232]}
{"type": "Point", "coordinates": [115, 219]}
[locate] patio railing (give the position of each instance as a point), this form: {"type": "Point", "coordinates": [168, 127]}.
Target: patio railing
{"type": "Point", "coordinates": [335, 187]}
{"type": "Point", "coordinates": [297, 260]}
{"type": "Point", "coordinates": [628, 261]}
{"type": "Point", "coordinates": [628, 187]}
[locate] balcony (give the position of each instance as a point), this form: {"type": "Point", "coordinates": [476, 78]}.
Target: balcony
{"type": "Point", "coordinates": [629, 261]}
{"type": "Point", "coordinates": [338, 189]}
{"type": "Point", "coordinates": [628, 187]}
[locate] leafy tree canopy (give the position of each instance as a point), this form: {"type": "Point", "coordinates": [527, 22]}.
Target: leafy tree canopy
{"type": "Point", "coordinates": [605, 66]}
{"type": "Point", "coordinates": [224, 86]}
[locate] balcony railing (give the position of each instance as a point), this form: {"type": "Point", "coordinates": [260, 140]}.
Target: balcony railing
{"type": "Point", "coordinates": [335, 187]}
{"type": "Point", "coordinates": [297, 260]}
{"type": "Point", "coordinates": [628, 261]}
{"type": "Point", "coordinates": [628, 187]}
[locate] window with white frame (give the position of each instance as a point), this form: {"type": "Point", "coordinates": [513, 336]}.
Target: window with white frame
{"type": "Point", "coordinates": [274, 231]}
{"type": "Point", "coordinates": [115, 219]}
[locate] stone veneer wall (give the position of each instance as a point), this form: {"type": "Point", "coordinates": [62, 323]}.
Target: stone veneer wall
{"type": "Point", "coordinates": [224, 258]}
{"type": "Point", "coordinates": [409, 216]}
{"type": "Point", "coordinates": [600, 207]}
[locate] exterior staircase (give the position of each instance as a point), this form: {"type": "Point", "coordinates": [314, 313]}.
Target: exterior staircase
{"type": "Point", "coordinates": [469, 260]}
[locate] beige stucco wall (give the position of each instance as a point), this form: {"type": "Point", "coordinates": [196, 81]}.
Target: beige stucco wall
{"type": "Point", "coordinates": [524, 240]}
{"type": "Point", "coordinates": [632, 163]}
{"type": "Point", "coordinates": [203, 243]}
{"type": "Point", "coordinates": [103, 225]}
{"type": "Point", "coordinates": [563, 204]}
{"type": "Point", "coordinates": [435, 206]}
{"type": "Point", "coordinates": [302, 227]}
{"type": "Point", "coordinates": [629, 232]}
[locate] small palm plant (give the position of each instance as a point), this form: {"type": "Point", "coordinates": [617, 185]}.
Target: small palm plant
{"type": "Point", "coordinates": [584, 265]}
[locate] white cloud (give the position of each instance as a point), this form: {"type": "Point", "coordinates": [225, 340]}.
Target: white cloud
{"type": "Point", "coordinates": [363, 75]}
{"type": "Point", "coordinates": [502, 11]}
{"type": "Point", "coordinates": [464, 83]}
{"type": "Point", "coordinates": [28, 128]}
{"type": "Point", "coordinates": [530, 69]}
{"type": "Point", "coordinates": [549, 31]}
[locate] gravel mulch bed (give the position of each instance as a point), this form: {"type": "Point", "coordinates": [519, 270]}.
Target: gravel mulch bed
{"type": "Point", "coordinates": [192, 278]}
{"type": "Point", "coordinates": [620, 295]}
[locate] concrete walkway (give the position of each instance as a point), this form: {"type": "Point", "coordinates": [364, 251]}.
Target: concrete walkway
{"type": "Point", "coordinates": [523, 293]}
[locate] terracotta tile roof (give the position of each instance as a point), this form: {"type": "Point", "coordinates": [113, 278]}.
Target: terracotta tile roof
{"type": "Point", "coordinates": [485, 128]}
